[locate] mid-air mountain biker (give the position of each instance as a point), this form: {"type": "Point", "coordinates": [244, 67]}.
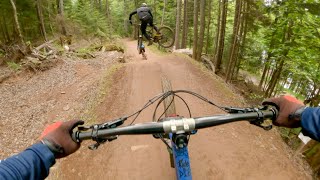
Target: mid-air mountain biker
{"type": "Point", "coordinates": [146, 17]}
{"type": "Point", "coordinates": [56, 142]}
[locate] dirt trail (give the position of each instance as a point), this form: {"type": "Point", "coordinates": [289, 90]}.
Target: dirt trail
{"type": "Point", "coordinates": [233, 151]}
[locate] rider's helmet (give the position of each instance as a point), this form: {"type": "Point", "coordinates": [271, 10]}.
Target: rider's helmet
{"type": "Point", "coordinates": [144, 5]}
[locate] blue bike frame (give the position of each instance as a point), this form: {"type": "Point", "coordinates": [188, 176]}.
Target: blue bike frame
{"type": "Point", "coordinates": [181, 161]}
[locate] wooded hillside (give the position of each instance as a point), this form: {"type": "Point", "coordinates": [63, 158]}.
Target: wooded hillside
{"type": "Point", "coordinates": [277, 42]}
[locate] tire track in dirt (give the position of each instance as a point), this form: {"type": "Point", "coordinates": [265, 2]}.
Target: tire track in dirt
{"type": "Point", "coordinates": [233, 151]}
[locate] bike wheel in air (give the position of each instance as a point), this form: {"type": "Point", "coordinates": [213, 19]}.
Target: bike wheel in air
{"type": "Point", "coordinates": [167, 37]}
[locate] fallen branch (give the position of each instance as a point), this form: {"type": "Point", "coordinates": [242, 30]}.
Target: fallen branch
{"type": "Point", "coordinates": [93, 56]}
{"type": "Point", "coordinates": [45, 44]}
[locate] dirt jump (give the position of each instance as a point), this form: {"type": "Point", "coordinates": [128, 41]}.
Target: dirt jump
{"type": "Point", "coordinates": [233, 151]}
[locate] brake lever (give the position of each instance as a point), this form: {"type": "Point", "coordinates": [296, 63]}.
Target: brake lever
{"type": "Point", "coordinates": [267, 128]}
{"type": "Point", "coordinates": [108, 125]}
{"type": "Point", "coordinates": [95, 146]}
{"type": "Point", "coordinates": [258, 122]}
{"type": "Point", "coordinates": [95, 128]}
{"type": "Point", "coordinates": [233, 110]}
{"type": "Point", "coordinates": [112, 124]}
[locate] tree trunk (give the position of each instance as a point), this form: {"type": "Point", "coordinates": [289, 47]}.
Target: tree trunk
{"type": "Point", "coordinates": [100, 5]}
{"type": "Point", "coordinates": [243, 35]}
{"type": "Point", "coordinates": [293, 84]}
{"type": "Point", "coordinates": [274, 80]}
{"type": "Point", "coordinates": [224, 8]}
{"type": "Point", "coordinates": [41, 21]}
{"type": "Point", "coordinates": [298, 84]}
{"type": "Point", "coordinates": [4, 37]}
{"type": "Point", "coordinates": [16, 23]}
{"type": "Point", "coordinates": [264, 73]}
{"type": "Point", "coordinates": [208, 27]}
{"type": "Point", "coordinates": [125, 19]}
{"type": "Point", "coordinates": [216, 43]}
{"type": "Point", "coordinates": [61, 17]}
{"type": "Point", "coordinates": [5, 29]}
{"type": "Point", "coordinates": [266, 69]}
{"type": "Point", "coordinates": [195, 29]}
{"type": "Point", "coordinates": [269, 73]}
{"type": "Point", "coordinates": [185, 25]}
{"type": "Point", "coordinates": [136, 28]}
{"type": "Point", "coordinates": [286, 38]}
{"type": "Point", "coordinates": [202, 29]}
{"type": "Point", "coordinates": [316, 99]}
{"type": "Point", "coordinates": [177, 36]}
{"type": "Point", "coordinates": [154, 9]}
{"type": "Point", "coordinates": [109, 17]}
{"type": "Point", "coordinates": [163, 12]}
{"type": "Point", "coordinates": [235, 41]}
{"type": "Point", "coordinates": [50, 19]}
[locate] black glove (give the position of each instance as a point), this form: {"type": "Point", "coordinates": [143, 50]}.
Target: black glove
{"type": "Point", "coordinates": [58, 138]}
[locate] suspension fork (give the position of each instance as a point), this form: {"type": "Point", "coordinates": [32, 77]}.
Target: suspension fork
{"type": "Point", "coordinates": [179, 147]}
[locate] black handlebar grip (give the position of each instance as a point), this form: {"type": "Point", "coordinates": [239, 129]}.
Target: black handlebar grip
{"type": "Point", "coordinates": [275, 113]}
{"type": "Point", "coordinates": [75, 136]}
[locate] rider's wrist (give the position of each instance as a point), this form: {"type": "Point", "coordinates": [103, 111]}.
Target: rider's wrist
{"type": "Point", "coordinates": [296, 116]}
{"type": "Point", "coordinates": [53, 147]}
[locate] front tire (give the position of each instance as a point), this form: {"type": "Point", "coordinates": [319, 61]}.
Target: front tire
{"type": "Point", "coordinates": [168, 103]}
{"type": "Point", "coordinates": [170, 109]}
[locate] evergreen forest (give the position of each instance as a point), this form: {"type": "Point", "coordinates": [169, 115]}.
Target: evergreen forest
{"type": "Point", "coordinates": [274, 43]}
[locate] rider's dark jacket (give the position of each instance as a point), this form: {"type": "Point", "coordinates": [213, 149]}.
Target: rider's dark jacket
{"type": "Point", "coordinates": [35, 162]}
{"type": "Point", "coordinates": [144, 13]}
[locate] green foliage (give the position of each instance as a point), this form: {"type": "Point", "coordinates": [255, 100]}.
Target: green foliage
{"type": "Point", "coordinates": [14, 66]}
{"type": "Point", "coordinates": [285, 30]}
{"type": "Point", "coordinates": [2, 53]}
{"type": "Point", "coordinates": [253, 96]}
{"type": "Point", "coordinates": [90, 19]}
{"type": "Point", "coordinates": [311, 152]}
{"type": "Point", "coordinates": [267, 25]}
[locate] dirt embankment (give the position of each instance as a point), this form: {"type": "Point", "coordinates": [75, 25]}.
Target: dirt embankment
{"type": "Point", "coordinates": [31, 101]}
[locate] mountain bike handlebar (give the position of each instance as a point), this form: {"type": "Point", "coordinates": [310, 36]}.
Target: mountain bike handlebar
{"type": "Point", "coordinates": [176, 125]}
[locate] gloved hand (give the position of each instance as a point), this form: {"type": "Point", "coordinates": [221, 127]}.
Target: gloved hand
{"type": "Point", "coordinates": [287, 106]}
{"type": "Point", "coordinates": [58, 138]}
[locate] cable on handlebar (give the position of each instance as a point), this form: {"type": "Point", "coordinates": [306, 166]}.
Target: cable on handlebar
{"type": "Point", "coordinates": [160, 98]}
{"type": "Point", "coordinates": [163, 96]}
{"type": "Point", "coordinates": [150, 102]}
{"type": "Point", "coordinates": [160, 101]}
{"type": "Point", "coordinates": [167, 94]}
{"type": "Point", "coordinates": [174, 95]}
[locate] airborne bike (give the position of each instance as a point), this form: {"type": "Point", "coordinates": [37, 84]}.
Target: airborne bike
{"type": "Point", "coordinates": [165, 38]}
